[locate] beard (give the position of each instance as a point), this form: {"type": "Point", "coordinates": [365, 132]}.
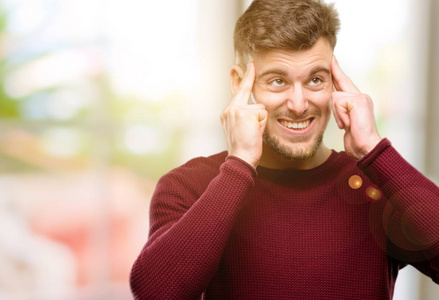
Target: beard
{"type": "Point", "coordinates": [293, 151]}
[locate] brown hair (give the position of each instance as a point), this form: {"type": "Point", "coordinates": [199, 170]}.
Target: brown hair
{"type": "Point", "coordinates": [284, 24]}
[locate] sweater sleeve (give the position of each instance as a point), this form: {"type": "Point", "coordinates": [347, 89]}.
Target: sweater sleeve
{"type": "Point", "coordinates": [411, 213]}
{"type": "Point", "coordinates": [189, 232]}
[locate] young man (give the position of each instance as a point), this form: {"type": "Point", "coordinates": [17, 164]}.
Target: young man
{"type": "Point", "coordinates": [279, 215]}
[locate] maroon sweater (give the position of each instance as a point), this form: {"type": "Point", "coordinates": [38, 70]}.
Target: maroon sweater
{"type": "Point", "coordinates": [222, 230]}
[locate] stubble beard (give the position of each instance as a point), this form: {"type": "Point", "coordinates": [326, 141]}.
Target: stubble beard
{"type": "Point", "coordinates": [293, 151]}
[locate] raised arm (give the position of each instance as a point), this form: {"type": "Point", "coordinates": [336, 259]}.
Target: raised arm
{"type": "Point", "coordinates": [191, 218]}
{"type": "Point", "coordinates": [411, 214]}
{"type": "Point", "coordinates": [353, 112]}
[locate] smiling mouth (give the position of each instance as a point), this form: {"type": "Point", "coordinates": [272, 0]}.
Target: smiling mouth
{"type": "Point", "coordinates": [296, 125]}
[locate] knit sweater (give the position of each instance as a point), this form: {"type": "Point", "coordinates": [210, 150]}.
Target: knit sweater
{"type": "Point", "coordinates": [223, 230]}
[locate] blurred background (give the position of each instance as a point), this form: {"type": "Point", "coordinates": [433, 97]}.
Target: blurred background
{"type": "Point", "coordinates": [99, 98]}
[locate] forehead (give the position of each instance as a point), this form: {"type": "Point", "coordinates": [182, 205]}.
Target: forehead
{"type": "Point", "coordinates": [288, 61]}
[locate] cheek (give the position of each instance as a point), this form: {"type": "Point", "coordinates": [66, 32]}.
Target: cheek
{"type": "Point", "coordinates": [269, 99]}
{"type": "Point", "coordinates": [322, 100]}
{"type": "Point", "coordinates": [326, 107]}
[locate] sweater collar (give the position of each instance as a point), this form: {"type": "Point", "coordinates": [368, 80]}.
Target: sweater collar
{"type": "Point", "coordinates": [286, 175]}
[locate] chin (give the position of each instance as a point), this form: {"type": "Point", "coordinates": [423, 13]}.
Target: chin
{"type": "Point", "coordinates": [294, 151]}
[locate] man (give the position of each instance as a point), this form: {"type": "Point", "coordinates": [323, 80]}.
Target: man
{"type": "Point", "coordinates": [279, 215]}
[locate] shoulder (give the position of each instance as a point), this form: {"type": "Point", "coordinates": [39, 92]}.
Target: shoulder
{"type": "Point", "coordinates": [345, 160]}
{"type": "Point", "coordinates": [348, 164]}
{"type": "Point", "coordinates": [200, 166]}
{"type": "Point", "coordinates": [197, 172]}
{"type": "Point", "coordinates": [180, 188]}
{"type": "Point", "coordinates": [339, 162]}
{"type": "Point", "coordinates": [344, 170]}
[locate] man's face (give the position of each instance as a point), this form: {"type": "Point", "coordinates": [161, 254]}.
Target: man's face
{"type": "Point", "coordinates": [296, 88]}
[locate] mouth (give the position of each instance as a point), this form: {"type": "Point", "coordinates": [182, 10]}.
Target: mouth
{"type": "Point", "coordinates": [296, 125]}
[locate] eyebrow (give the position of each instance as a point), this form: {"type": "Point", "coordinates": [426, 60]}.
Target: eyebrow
{"type": "Point", "coordinates": [284, 72]}
{"type": "Point", "coordinates": [320, 69]}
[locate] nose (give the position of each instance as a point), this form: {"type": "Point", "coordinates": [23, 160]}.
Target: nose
{"type": "Point", "coordinates": [297, 101]}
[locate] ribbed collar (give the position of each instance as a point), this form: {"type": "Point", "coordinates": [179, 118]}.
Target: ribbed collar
{"type": "Point", "coordinates": [286, 176]}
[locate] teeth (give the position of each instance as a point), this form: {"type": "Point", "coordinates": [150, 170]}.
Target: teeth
{"type": "Point", "coordinates": [296, 125]}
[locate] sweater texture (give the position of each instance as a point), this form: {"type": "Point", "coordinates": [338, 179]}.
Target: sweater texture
{"type": "Point", "coordinates": [223, 230]}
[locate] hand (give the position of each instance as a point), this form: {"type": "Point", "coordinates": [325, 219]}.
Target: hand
{"type": "Point", "coordinates": [244, 123]}
{"type": "Point", "coordinates": [353, 112]}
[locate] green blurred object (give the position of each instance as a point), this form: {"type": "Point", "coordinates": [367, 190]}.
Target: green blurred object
{"type": "Point", "coordinates": [9, 108]}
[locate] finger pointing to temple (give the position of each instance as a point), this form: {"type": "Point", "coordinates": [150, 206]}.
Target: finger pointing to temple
{"type": "Point", "coordinates": [246, 86]}
{"type": "Point", "coordinates": [341, 82]}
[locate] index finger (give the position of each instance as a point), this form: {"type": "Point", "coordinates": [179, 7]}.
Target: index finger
{"type": "Point", "coordinates": [342, 83]}
{"type": "Point", "coordinates": [245, 89]}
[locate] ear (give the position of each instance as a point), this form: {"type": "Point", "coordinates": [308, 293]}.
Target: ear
{"type": "Point", "coordinates": [236, 76]}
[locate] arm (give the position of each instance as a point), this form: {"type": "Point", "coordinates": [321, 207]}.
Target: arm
{"type": "Point", "coordinates": [411, 216]}
{"type": "Point", "coordinates": [190, 227]}
{"type": "Point", "coordinates": [186, 243]}
{"type": "Point", "coordinates": [411, 213]}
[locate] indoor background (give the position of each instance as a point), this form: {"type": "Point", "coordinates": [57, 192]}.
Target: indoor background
{"type": "Point", "coordinates": [99, 98]}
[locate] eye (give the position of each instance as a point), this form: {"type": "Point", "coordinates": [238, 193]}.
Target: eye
{"type": "Point", "coordinates": [277, 84]}
{"type": "Point", "coordinates": [315, 81]}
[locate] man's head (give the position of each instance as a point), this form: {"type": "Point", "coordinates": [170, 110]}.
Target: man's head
{"type": "Point", "coordinates": [290, 43]}
{"type": "Point", "coordinates": [284, 24]}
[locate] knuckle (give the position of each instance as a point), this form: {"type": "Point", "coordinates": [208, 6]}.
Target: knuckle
{"type": "Point", "coordinates": [366, 98]}
{"type": "Point", "coordinates": [223, 114]}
